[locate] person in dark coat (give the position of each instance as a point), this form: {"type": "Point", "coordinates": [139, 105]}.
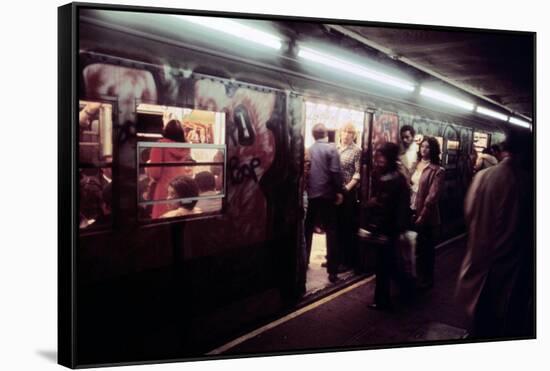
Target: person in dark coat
{"type": "Point", "coordinates": [325, 191]}
{"type": "Point", "coordinates": [389, 213]}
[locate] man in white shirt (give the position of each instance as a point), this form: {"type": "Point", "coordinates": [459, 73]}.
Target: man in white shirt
{"type": "Point", "coordinates": [409, 155]}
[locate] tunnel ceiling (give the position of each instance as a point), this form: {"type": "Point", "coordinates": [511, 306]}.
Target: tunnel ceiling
{"type": "Point", "coordinates": [498, 66]}
{"type": "Point", "coordinates": [495, 64]}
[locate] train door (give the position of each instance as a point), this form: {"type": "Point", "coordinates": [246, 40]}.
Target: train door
{"type": "Point", "coordinates": [380, 127]}
{"type": "Point", "coordinates": [337, 119]}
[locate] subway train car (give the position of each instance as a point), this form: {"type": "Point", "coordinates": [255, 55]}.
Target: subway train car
{"type": "Point", "coordinates": [154, 282]}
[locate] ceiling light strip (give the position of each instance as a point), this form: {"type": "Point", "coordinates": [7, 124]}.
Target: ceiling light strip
{"type": "Point", "coordinates": [363, 39]}
{"type": "Point", "coordinates": [434, 94]}
{"type": "Point", "coordinates": [491, 113]}
{"type": "Point", "coordinates": [343, 65]}
{"type": "Point", "coordinates": [236, 29]}
{"type": "Point", "coordinates": [519, 122]}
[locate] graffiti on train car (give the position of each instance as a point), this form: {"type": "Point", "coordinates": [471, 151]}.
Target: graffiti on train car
{"type": "Point", "coordinates": [251, 152]}
{"type": "Point", "coordinates": [427, 127]}
{"type": "Point", "coordinates": [128, 84]}
{"type": "Point", "coordinates": [239, 128]}
{"type": "Point", "coordinates": [238, 173]}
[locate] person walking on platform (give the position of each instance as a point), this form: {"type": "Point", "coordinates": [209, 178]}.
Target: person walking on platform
{"type": "Point", "coordinates": [325, 191]}
{"type": "Point", "coordinates": [427, 181]}
{"type": "Point", "coordinates": [496, 280]}
{"type": "Point", "coordinates": [388, 210]}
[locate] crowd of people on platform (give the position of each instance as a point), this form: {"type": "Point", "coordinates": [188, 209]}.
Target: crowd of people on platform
{"type": "Point", "coordinates": [406, 185]}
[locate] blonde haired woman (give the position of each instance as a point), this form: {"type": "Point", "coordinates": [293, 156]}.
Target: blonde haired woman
{"type": "Point", "coordinates": [350, 162]}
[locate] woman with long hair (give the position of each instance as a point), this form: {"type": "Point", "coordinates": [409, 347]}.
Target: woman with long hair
{"type": "Point", "coordinates": [427, 182]}
{"type": "Point", "coordinates": [348, 218]}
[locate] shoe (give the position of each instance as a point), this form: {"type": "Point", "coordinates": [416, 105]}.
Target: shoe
{"type": "Point", "coordinates": [425, 286]}
{"type": "Point", "coordinates": [332, 278]}
{"type": "Point", "coordinates": [384, 307]}
{"type": "Point", "coordinates": [342, 268]}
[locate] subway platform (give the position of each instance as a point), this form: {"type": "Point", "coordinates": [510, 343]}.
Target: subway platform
{"type": "Point", "coordinates": [343, 319]}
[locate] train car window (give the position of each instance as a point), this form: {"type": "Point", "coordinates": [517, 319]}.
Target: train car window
{"type": "Point", "coordinates": [440, 141]}
{"type": "Point", "coordinates": [205, 127]}
{"type": "Point", "coordinates": [481, 141]}
{"type": "Point", "coordinates": [453, 145]}
{"type": "Point", "coordinates": [334, 117]}
{"type": "Point", "coordinates": [451, 154]}
{"type": "Point", "coordinates": [182, 178]}
{"type": "Point", "coordinates": [95, 158]}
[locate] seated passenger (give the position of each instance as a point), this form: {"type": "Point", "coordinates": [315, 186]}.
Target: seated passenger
{"type": "Point", "coordinates": [217, 170]}
{"type": "Point", "coordinates": [104, 218]}
{"type": "Point", "coordinates": [144, 191]}
{"type": "Point", "coordinates": [182, 187]}
{"type": "Point", "coordinates": [90, 200]}
{"type": "Point", "coordinates": [207, 187]}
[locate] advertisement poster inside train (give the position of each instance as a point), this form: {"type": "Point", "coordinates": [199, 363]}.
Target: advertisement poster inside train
{"type": "Point", "coordinates": [385, 128]}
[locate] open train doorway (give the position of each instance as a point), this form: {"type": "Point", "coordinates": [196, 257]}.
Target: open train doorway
{"type": "Point", "coordinates": [345, 127]}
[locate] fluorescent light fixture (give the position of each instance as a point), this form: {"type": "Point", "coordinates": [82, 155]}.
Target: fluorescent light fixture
{"type": "Point", "coordinates": [236, 29]}
{"type": "Point", "coordinates": [353, 68]}
{"type": "Point", "coordinates": [446, 99]}
{"type": "Point", "coordinates": [519, 122]}
{"type": "Point", "coordinates": [491, 113]}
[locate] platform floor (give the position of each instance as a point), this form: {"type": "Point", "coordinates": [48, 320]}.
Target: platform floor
{"type": "Point", "coordinates": [317, 276]}
{"type": "Point", "coordinates": [343, 319]}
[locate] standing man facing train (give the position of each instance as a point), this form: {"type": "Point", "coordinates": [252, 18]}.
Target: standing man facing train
{"type": "Point", "coordinates": [325, 191]}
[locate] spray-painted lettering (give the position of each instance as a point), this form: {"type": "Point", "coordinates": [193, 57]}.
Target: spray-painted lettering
{"type": "Point", "coordinates": [239, 173]}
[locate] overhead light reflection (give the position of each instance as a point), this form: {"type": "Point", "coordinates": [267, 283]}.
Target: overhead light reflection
{"type": "Point", "coordinates": [491, 113]}
{"type": "Point", "coordinates": [340, 64]}
{"type": "Point", "coordinates": [434, 94]}
{"type": "Point", "coordinates": [236, 29]}
{"type": "Point", "coordinates": [519, 122]}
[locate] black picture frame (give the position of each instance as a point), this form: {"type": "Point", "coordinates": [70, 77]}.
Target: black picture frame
{"type": "Point", "coordinates": [74, 289]}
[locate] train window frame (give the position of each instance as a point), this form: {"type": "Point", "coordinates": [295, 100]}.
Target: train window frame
{"type": "Point", "coordinates": [479, 148]}
{"type": "Point", "coordinates": [151, 107]}
{"type": "Point", "coordinates": [315, 101]}
{"type": "Point", "coordinates": [113, 102]}
{"type": "Point", "coordinates": [202, 215]}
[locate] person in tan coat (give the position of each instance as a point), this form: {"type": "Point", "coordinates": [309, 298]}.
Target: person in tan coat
{"type": "Point", "coordinates": [495, 285]}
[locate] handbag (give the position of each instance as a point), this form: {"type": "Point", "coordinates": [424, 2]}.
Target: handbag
{"type": "Point", "coordinates": [406, 253]}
